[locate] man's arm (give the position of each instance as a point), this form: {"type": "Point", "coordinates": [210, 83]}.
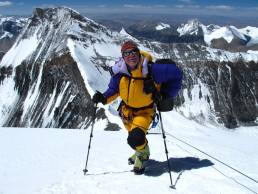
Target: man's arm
{"type": "Point", "coordinates": [170, 76]}
{"type": "Point", "coordinates": [113, 88]}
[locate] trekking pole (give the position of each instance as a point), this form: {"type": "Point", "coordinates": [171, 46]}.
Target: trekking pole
{"type": "Point", "coordinates": [166, 151]}
{"type": "Point", "coordinates": [91, 135]}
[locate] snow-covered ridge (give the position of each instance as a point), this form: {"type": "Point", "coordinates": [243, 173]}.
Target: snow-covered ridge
{"type": "Point", "coordinates": [19, 21]}
{"type": "Point", "coordinates": [190, 28]}
{"type": "Point", "coordinates": [162, 26]}
{"type": "Point", "coordinates": [124, 33]}
{"type": "Point", "coordinates": [6, 35]}
{"type": "Point", "coordinates": [210, 32]}
{"type": "Point", "coordinates": [49, 34]}
{"type": "Point", "coordinates": [10, 26]}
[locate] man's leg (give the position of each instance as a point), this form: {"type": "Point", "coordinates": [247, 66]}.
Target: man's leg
{"type": "Point", "coordinates": [137, 140]}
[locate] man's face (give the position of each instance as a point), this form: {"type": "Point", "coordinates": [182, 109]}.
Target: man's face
{"type": "Point", "coordinates": [131, 57]}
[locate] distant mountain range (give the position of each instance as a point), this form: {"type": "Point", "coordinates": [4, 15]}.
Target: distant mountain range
{"type": "Point", "coordinates": [225, 37]}
{"type": "Point", "coordinates": [228, 37]}
{"type": "Point", "coordinates": [10, 28]}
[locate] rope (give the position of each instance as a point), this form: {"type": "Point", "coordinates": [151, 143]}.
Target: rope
{"type": "Point", "coordinates": [214, 158]}
{"type": "Point", "coordinates": [214, 169]}
{"type": "Point", "coordinates": [205, 154]}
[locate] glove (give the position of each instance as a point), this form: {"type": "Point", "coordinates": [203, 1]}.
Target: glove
{"type": "Point", "coordinates": [157, 97]}
{"type": "Point", "coordinates": [99, 97]}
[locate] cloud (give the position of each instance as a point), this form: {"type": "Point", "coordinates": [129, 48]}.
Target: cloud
{"type": "Point", "coordinates": [187, 7]}
{"type": "Point", "coordinates": [5, 3]}
{"type": "Point", "coordinates": [137, 6]}
{"type": "Point", "coordinates": [159, 6]}
{"type": "Point", "coordinates": [133, 6]}
{"type": "Point", "coordinates": [254, 8]}
{"type": "Point", "coordinates": [221, 7]}
{"type": "Point", "coordinates": [186, 1]}
{"type": "Point", "coordinates": [180, 6]}
{"type": "Point", "coordinates": [194, 6]}
{"type": "Point", "coordinates": [46, 6]}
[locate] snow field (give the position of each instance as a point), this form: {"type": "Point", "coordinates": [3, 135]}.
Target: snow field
{"type": "Point", "coordinates": [52, 160]}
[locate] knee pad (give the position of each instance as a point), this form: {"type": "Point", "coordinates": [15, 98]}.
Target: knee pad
{"type": "Point", "coordinates": [136, 138]}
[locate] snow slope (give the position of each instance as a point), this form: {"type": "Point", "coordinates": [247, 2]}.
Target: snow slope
{"type": "Point", "coordinates": [162, 26]}
{"type": "Point", "coordinates": [52, 160]}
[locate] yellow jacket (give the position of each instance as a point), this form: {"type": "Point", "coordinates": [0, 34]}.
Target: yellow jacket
{"type": "Point", "coordinates": [131, 85]}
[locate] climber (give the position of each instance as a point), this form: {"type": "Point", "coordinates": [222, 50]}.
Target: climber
{"type": "Point", "coordinates": [140, 94]}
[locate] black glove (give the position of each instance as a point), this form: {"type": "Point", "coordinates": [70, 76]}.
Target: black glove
{"type": "Point", "coordinates": [99, 97]}
{"type": "Point", "coordinates": [157, 97]}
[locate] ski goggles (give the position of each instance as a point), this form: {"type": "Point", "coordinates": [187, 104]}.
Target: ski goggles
{"type": "Point", "coordinates": [135, 51]}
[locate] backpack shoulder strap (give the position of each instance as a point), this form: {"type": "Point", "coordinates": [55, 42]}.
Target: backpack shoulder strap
{"type": "Point", "coordinates": [165, 61]}
{"type": "Point", "coordinates": [149, 75]}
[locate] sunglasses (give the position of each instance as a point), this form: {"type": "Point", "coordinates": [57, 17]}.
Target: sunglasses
{"type": "Point", "coordinates": [135, 51]}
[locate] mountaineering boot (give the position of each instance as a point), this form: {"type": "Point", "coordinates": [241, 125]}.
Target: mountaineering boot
{"type": "Point", "coordinates": [132, 159]}
{"type": "Point", "coordinates": [142, 158]}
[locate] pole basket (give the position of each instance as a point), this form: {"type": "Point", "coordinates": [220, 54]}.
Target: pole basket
{"type": "Point", "coordinates": [85, 171]}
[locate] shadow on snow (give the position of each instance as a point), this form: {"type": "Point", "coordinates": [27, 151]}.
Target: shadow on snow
{"type": "Point", "coordinates": [177, 165]}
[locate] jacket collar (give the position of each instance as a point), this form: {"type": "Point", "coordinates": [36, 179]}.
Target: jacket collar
{"type": "Point", "coordinates": [121, 67]}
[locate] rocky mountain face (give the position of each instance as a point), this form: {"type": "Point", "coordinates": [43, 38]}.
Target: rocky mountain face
{"type": "Point", "coordinates": [232, 89]}
{"type": "Point", "coordinates": [51, 86]}
{"type": "Point", "coordinates": [10, 28]}
{"type": "Point", "coordinates": [217, 86]}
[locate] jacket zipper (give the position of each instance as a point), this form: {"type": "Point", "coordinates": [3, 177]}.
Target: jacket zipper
{"type": "Point", "coordinates": [128, 90]}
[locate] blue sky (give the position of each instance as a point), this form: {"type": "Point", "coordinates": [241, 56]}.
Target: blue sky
{"type": "Point", "coordinates": [200, 7]}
